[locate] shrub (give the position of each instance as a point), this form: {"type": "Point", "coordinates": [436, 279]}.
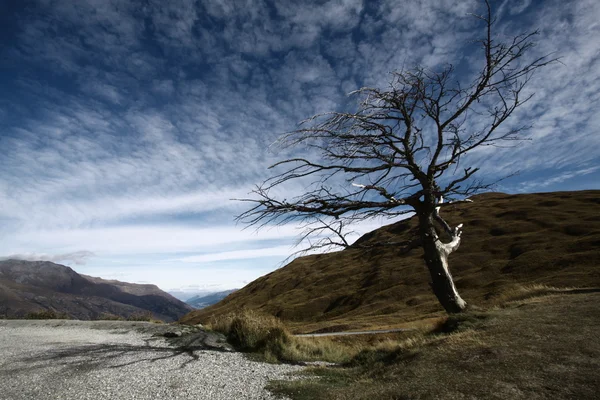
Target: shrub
{"type": "Point", "coordinates": [270, 339]}
{"type": "Point", "coordinates": [46, 314]}
{"type": "Point", "coordinates": [106, 316]}
{"type": "Point", "coordinates": [146, 316]}
{"type": "Point", "coordinates": [251, 331]}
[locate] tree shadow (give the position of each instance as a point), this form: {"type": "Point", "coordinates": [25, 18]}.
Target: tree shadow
{"type": "Point", "coordinates": [88, 357]}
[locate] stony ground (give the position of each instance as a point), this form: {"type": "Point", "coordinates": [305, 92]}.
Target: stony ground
{"type": "Point", "coordinates": [125, 360]}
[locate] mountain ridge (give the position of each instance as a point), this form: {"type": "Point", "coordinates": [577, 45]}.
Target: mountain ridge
{"type": "Point", "coordinates": [33, 286]}
{"type": "Point", "coordinates": [209, 299]}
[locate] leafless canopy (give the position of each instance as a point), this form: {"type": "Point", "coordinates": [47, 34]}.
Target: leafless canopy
{"type": "Point", "coordinates": [402, 149]}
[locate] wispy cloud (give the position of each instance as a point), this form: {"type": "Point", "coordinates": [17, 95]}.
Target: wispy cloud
{"type": "Point", "coordinates": [126, 127]}
{"type": "Point", "coordinates": [278, 251]}
{"type": "Point", "coordinates": [543, 183]}
{"type": "Point", "coordinates": [77, 257]}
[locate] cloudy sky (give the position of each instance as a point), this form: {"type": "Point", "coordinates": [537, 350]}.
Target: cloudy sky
{"type": "Point", "coordinates": [127, 126]}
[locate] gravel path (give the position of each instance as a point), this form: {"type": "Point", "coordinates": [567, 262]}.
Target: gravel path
{"type": "Point", "coordinates": [120, 360]}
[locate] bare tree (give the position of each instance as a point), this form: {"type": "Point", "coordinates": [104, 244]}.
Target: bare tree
{"type": "Point", "coordinates": [401, 151]}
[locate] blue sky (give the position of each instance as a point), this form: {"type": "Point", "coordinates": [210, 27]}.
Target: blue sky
{"type": "Point", "coordinates": [127, 126]}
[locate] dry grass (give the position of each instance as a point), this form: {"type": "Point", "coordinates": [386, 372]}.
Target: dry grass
{"type": "Point", "coordinates": [540, 348]}
{"type": "Point", "coordinates": [268, 337]}
{"type": "Point", "coordinates": [253, 332]}
{"type": "Point", "coordinates": [524, 292]}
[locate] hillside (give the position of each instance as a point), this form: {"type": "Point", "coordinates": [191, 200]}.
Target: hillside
{"type": "Point", "coordinates": [539, 348]}
{"type": "Point", "coordinates": [32, 286]}
{"type": "Point", "coordinates": [508, 241]}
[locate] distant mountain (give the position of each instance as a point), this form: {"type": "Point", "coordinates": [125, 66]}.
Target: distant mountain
{"type": "Point", "coordinates": [208, 300]}
{"type": "Point", "coordinates": [508, 241]}
{"type": "Point", "coordinates": [185, 295]}
{"type": "Point", "coordinates": [32, 286]}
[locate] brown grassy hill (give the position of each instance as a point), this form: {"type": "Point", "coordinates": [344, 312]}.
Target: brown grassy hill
{"type": "Point", "coordinates": [508, 241]}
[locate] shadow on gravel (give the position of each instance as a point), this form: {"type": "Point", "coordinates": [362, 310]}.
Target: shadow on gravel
{"type": "Point", "coordinates": [85, 358]}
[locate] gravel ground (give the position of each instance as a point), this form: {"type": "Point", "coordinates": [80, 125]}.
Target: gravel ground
{"type": "Point", "coordinates": [120, 360]}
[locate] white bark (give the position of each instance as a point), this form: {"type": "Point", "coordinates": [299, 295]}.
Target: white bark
{"type": "Point", "coordinates": [455, 233]}
{"type": "Point", "coordinates": [445, 249]}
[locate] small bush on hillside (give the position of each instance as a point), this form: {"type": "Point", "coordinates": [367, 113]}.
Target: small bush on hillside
{"type": "Point", "coordinates": [106, 316]}
{"type": "Point", "coordinates": [254, 332]}
{"type": "Point", "coordinates": [268, 337]}
{"type": "Point", "coordinates": [144, 316]}
{"type": "Point", "coordinates": [46, 314]}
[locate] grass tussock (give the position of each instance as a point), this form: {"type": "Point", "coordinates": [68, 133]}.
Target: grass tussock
{"type": "Point", "coordinates": [250, 331]}
{"type": "Point", "coordinates": [270, 339]}
{"type": "Point", "coordinates": [524, 292]}
{"type": "Point", "coordinates": [266, 336]}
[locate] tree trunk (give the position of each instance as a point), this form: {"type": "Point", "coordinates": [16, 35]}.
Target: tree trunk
{"type": "Point", "coordinates": [436, 258]}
